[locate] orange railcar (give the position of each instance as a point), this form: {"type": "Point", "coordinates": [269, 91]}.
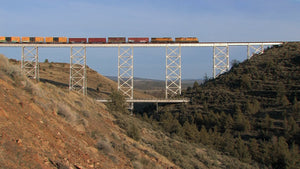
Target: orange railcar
{"type": "Point", "coordinates": [15, 39]}
{"type": "Point", "coordinates": [60, 40]}
{"type": "Point", "coordinates": [39, 40]}
{"type": "Point", "coordinates": [25, 39]}
{"type": "Point", "coordinates": [49, 40]}
{"type": "Point", "coordinates": [3, 39]}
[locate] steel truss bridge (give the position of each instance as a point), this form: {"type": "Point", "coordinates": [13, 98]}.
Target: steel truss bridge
{"type": "Point", "coordinates": [78, 77]}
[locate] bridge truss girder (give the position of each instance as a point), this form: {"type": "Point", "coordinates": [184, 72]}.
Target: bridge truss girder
{"type": "Point", "coordinates": [78, 78]}
{"type": "Point", "coordinates": [254, 49]}
{"type": "Point", "coordinates": [30, 62]}
{"type": "Point", "coordinates": [220, 60]}
{"type": "Point", "coordinates": [173, 71]}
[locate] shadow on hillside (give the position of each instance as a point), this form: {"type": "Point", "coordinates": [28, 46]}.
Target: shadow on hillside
{"type": "Point", "coordinates": [91, 92]}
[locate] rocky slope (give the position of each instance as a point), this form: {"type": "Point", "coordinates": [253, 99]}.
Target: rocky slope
{"type": "Point", "coordinates": [43, 126]}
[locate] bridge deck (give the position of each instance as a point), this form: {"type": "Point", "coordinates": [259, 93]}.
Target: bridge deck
{"type": "Point", "coordinates": [200, 44]}
{"type": "Point", "coordinates": [149, 100]}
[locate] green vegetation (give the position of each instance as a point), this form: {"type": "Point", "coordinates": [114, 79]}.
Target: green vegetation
{"type": "Point", "coordinates": [117, 103]}
{"type": "Point", "coordinates": [250, 112]}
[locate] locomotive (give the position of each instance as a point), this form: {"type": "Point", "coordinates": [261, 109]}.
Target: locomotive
{"type": "Point", "coordinates": [64, 40]}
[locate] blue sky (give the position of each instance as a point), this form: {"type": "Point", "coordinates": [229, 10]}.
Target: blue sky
{"type": "Point", "coordinates": [209, 20]}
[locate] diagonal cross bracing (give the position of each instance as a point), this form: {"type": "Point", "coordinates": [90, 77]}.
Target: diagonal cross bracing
{"type": "Point", "coordinates": [220, 60]}
{"type": "Point", "coordinates": [125, 71]}
{"type": "Point", "coordinates": [78, 79]}
{"type": "Point", "coordinates": [254, 49]}
{"type": "Point", "coordinates": [30, 62]}
{"type": "Point", "coordinates": [173, 71]}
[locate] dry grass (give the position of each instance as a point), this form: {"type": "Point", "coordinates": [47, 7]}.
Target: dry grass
{"type": "Point", "coordinates": [66, 112]}
{"type": "Point", "coordinates": [104, 146]}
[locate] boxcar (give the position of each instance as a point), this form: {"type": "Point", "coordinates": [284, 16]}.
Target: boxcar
{"type": "Point", "coordinates": [138, 40]}
{"type": "Point", "coordinates": [187, 40]}
{"type": "Point", "coordinates": [77, 40]}
{"type": "Point", "coordinates": [116, 40]}
{"type": "Point", "coordinates": [162, 40]}
{"type": "Point", "coordinates": [25, 39]}
{"type": "Point", "coordinates": [97, 40]}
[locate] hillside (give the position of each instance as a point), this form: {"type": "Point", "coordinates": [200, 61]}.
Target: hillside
{"type": "Point", "coordinates": [99, 86]}
{"type": "Point", "coordinates": [251, 112]}
{"type": "Point", "coordinates": [44, 126]}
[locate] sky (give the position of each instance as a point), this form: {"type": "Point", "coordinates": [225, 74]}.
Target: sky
{"type": "Point", "coordinates": [208, 20]}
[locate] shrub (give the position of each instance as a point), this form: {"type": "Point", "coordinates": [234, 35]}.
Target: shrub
{"type": "Point", "coordinates": [3, 62]}
{"type": "Point", "coordinates": [134, 132]}
{"type": "Point", "coordinates": [117, 103]}
{"type": "Point", "coordinates": [104, 146]}
{"type": "Point", "coordinates": [66, 112]}
{"type": "Point", "coordinates": [12, 71]}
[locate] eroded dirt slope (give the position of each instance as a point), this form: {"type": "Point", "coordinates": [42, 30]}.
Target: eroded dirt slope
{"type": "Point", "coordinates": [42, 126]}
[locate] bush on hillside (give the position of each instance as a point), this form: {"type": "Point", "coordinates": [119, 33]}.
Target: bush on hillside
{"type": "Point", "coordinates": [118, 102]}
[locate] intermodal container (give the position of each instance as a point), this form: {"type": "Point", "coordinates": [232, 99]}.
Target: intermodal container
{"type": "Point", "coordinates": [162, 40]}
{"type": "Point", "coordinates": [97, 40]}
{"type": "Point", "coordinates": [2, 39]}
{"type": "Point", "coordinates": [138, 40]}
{"type": "Point", "coordinates": [15, 39]}
{"type": "Point", "coordinates": [77, 40]}
{"type": "Point", "coordinates": [8, 39]}
{"type": "Point", "coordinates": [39, 40]}
{"type": "Point", "coordinates": [49, 39]}
{"type": "Point", "coordinates": [116, 40]}
{"type": "Point", "coordinates": [186, 40]}
{"type": "Point", "coordinates": [25, 39]}
{"type": "Point", "coordinates": [32, 39]}
{"type": "Point", "coordinates": [60, 40]}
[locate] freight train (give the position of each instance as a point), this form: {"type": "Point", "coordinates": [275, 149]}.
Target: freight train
{"type": "Point", "coordinates": [64, 40]}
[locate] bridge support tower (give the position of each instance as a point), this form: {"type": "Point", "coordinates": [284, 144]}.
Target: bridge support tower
{"type": "Point", "coordinates": [254, 49]}
{"type": "Point", "coordinates": [78, 78]}
{"type": "Point", "coordinates": [30, 62]}
{"type": "Point", "coordinates": [125, 72]}
{"type": "Point", "coordinates": [173, 71]}
{"type": "Point", "coordinates": [220, 60]}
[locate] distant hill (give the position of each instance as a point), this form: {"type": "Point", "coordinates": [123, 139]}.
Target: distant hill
{"type": "Point", "coordinates": [156, 87]}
